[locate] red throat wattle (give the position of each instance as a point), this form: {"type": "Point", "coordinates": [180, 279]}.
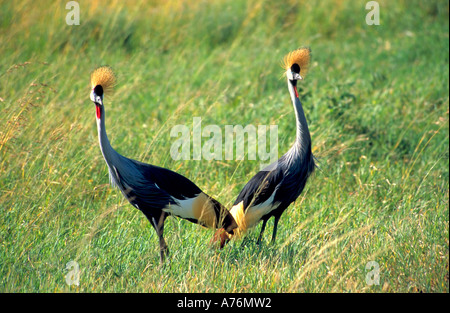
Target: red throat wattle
{"type": "Point", "coordinates": [296, 93]}
{"type": "Point", "coordinates": [98, 111]}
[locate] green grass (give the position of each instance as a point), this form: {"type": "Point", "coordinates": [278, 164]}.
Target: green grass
{"type": "Point", "coordinates": [376, 100]}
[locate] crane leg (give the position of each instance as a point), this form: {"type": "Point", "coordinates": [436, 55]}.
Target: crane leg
{"type": "Point", "coordinates": [263, 227]}
{"type": "Point", "coordinates": [163, 249]}
{"type": "Point", "coordinates": [158, 224]}
{"type": "Point", "coordinates": [275, 226]}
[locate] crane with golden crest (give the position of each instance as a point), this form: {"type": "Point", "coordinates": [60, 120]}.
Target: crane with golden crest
{"type": "Point", "coordinates": [270, 192]}
{"type": "Point", "coordinates": [155, 191]}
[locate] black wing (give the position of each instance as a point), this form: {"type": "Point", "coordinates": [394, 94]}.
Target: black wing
{"type": "Point", "coordinates": [260, 187]}
{"type": "Point", "coordinates": [156, 187]}
{"type": "Point", "coordinates": [173, 183]}
{"type": "Point", "coordinates": [164, 186]}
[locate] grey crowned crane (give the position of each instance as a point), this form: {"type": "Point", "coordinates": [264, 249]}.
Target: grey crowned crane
{"type": "Point", "coordinates": [155, 191]}
{"type": "Point", "coordinates": [274, 188]}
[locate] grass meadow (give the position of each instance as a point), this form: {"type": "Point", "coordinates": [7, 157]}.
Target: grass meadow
{"type": "Point", "coordinates": [376, 100]}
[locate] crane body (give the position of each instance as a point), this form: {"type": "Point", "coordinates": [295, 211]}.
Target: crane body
{"type": "Point", "coordinates": [270, 192]}
{"type": "Point", "coordinates": [157, 192]}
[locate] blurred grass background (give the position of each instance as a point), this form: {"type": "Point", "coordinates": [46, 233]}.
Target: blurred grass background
{"type": "Point", "coordinates": [376, 99]}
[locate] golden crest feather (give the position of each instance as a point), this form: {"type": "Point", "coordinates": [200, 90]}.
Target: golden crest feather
{"type": "Point", "coordinates": [301, 57]}
{"type": "Point", "coordinates": [105, 77]}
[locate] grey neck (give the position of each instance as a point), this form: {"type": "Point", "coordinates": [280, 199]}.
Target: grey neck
{"type": "Point", "coordinates": [303, 138]}
{"type": "Point", "coordinates": [298, 151]}
{"type": "Point", "coordinates": [110, 155]}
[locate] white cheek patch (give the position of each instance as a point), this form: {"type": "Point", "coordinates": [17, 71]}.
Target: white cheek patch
{"type": "Point", "coordinates": [289, 74]}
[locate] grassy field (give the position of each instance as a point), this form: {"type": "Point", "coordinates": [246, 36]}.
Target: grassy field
{"type": "Point", "coordinates": [376, 99]}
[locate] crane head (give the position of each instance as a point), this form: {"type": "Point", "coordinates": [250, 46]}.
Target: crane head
{"type": "Point", "coordinates": [296, 64]}
{"type": "Point", "coordinates": [103, 81]}
{"type": "Point", "coordinates": [97, 95]}
{"type": "Point", "coordinates": [221, 237]}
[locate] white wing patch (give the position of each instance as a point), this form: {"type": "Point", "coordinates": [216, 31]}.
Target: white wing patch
{"type": "Point", "coordinates": [200, 208]}
{"type": "Point", "coordinates": [253, 214]}
{"type": "Point", "coordinates": [183, 209]}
